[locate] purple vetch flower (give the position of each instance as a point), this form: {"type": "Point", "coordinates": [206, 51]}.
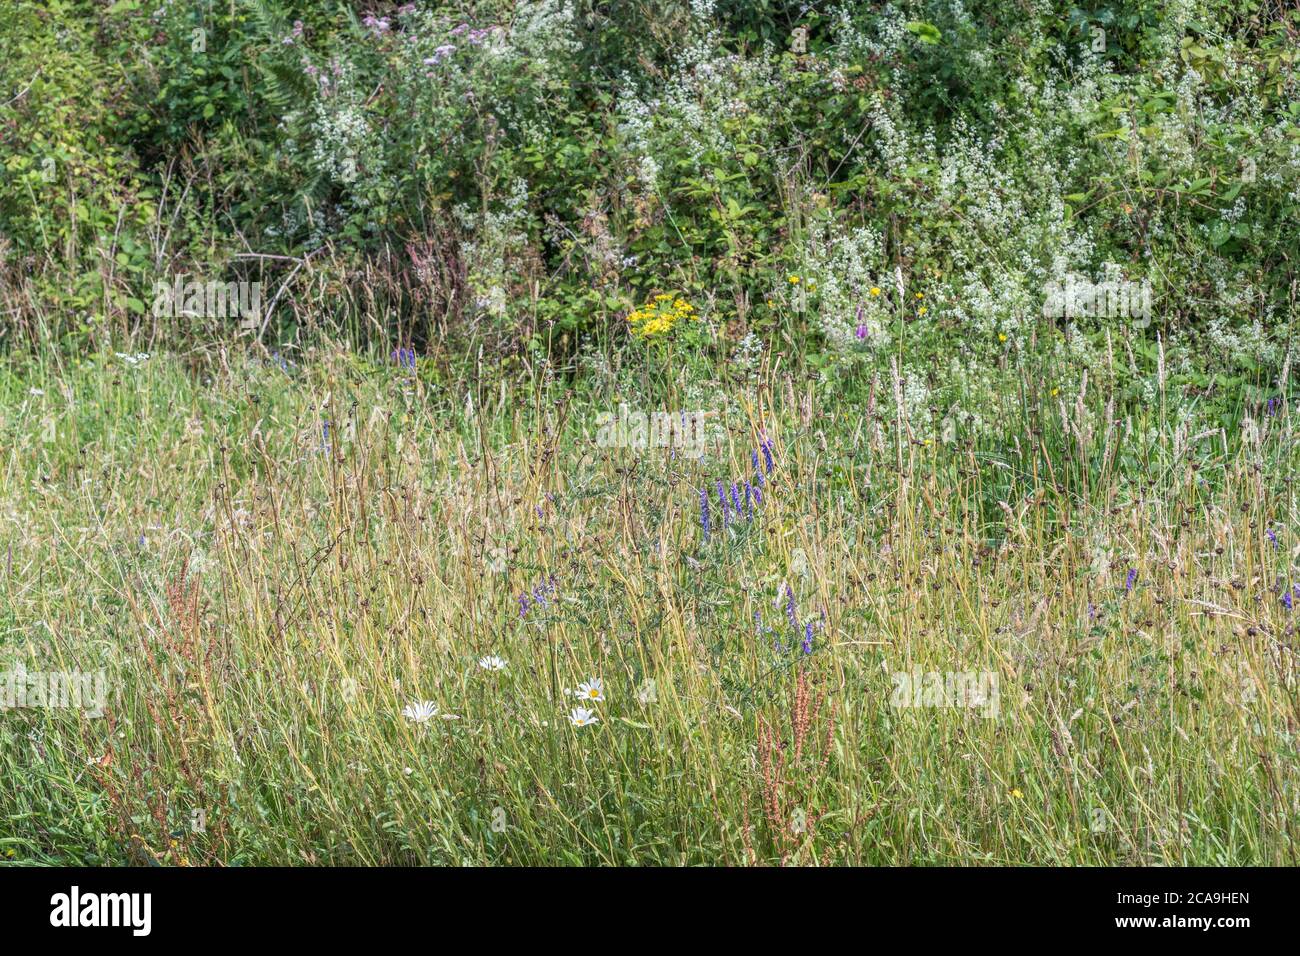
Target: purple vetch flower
{"type": "Point", "coordinates": [758, 496]}
{"type": "Point", "coordinates": [807, 637]}
{"type": "Point", "coordinates": [749, 502]}
{"type": "Point", "coordinates": [1130, 580]}
{"type": "Point", "coordinates": [1272, 536]}
{"type": "Point", "coordinates": [539, 594]}
{"type": "Point", "coordinates": [790, 608]}
{"type": "Point", "coordinates": [704, 512]}
{"type": "Point", "coordinates": [1092, 611]}
{"type": "Point", "coordinates": [758, 623]}
{"type": "Point", "coordinates": [735, 498]}
{"type": "Point", "coordinates": [767, 454]}
{"type": "Point", "coordinates": [722, 499]}
{"type": "Point", "coordinates": [1289, 596]}
{"type": "Point", "coordinates": [758, 472]}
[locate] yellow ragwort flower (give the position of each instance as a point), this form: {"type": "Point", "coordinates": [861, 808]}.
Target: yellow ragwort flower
{"type": "Point", "coordinates": [659, 315]}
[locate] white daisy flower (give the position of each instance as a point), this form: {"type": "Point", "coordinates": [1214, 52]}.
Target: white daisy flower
{"type": "Point", "coordinates": [420, 711]}
{"type": "Point", "coordinates": [492, 663]}
{"type": "Point", "coordinates": [592, 690]}
{"type": "Point", "coordinates": [581, 717]}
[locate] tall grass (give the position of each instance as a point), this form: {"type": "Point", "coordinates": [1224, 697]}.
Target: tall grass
{"type": "Point", "coordinates": [270, 561]}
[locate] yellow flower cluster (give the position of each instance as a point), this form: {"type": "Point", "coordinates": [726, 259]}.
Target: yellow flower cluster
{"type": "Point", "coordinates": [659, 315]}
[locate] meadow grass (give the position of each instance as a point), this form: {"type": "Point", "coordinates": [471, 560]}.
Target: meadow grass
{"type": "Point", "coordinates": [270, 561]}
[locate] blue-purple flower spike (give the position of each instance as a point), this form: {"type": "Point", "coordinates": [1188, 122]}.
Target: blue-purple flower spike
{"type": "Point", "coordinates": [1130, 580]}
{"type": "Point", "coordinates": [704, 512]}
{"type": "Point", "coordinates": [790, 609]}
{"type": "Point", "coordinates": [807, 637]}
{"type": "Point", "coordinates": [767, 454]}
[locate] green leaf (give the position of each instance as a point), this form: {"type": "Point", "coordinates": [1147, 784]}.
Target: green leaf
{"type": "Point", "coordinates": [925, 32]}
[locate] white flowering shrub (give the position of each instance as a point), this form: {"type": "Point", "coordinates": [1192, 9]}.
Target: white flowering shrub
{"type": "Point", "coordinates": [929, 173]}
{"type": "Point", "coordinates": [841, 280]}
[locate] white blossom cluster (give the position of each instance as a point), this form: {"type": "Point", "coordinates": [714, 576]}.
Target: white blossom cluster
{"type": "Point", "coordinates": [498, 234]}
